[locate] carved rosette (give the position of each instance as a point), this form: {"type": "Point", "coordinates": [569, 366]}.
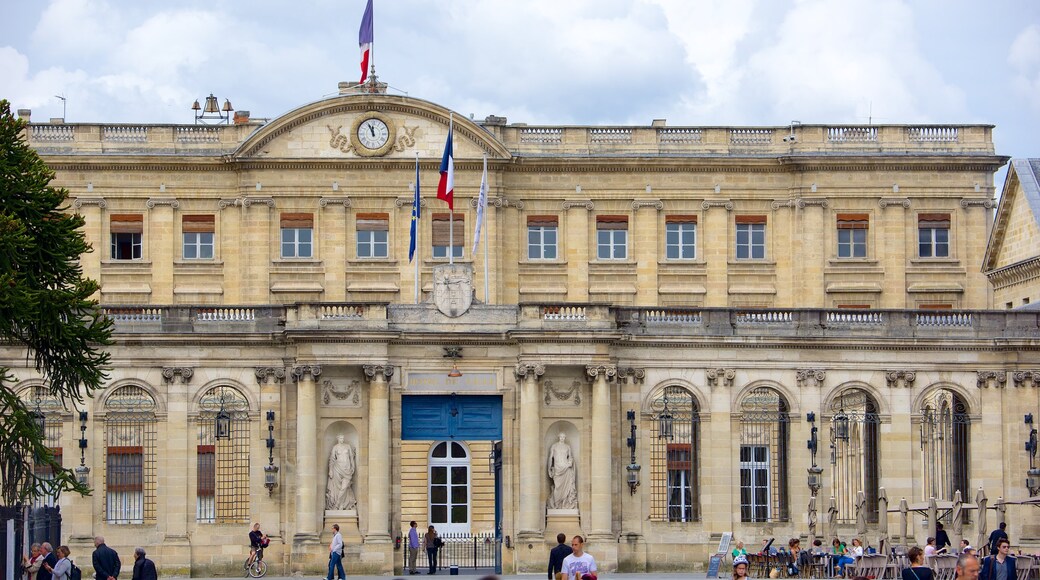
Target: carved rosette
{"type": "Point", "coordinates": [532, 370]}
{"type": "Point", "coordinates": [572, 395]}
{"type": "Point", "coordinates": [636, 375]}
{"type": "Point", "coordinates": [725, 375]}
{"type": "Point", "coordinates": [263, 373]}
{"type": "Point", "coordinates": [997, 379]}
{"type": "Point", "coordinates": [810, 377]}
{"type": "Point", "coordinates": [313, 370]}
{"type": "Point", "coordinates": [371, 371]}
{"type": "Point", "coordinates": [185, 373]}
{"type": "Point", "coordinates": [594, 371]}
{"type": "Point", "coordinates": [893, 378]}
{"type": "Point", "coordinates": [334, 396]}
{"type": "Point", "coordinates": [1023, 377]}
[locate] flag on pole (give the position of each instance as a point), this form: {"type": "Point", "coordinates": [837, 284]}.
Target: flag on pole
{"type": "Point", "coordinates": [365, 40]}
{"type": "Point", "coordinates": [446, 186]}
{"type": "Point", "coordinates": [481, 207]}
{"type": "Point", "coordinates": [415, 213]}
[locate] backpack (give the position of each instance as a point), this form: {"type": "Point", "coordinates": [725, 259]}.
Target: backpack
{"type": "Point", "coordinates": [75, 573]}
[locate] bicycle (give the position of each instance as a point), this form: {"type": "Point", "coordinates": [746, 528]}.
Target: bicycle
{"type": "Point", "coordinates": [257, 568]}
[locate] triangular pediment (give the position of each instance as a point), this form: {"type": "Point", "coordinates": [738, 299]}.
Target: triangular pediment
{"type": "Point", "coordinates": [329, 130]}
{"type": "Point", "coordinates": [1016, 228]}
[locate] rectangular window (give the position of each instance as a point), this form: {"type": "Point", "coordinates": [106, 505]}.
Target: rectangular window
{"type": "Point", "coordinates": [680, 484]}
{"type": "Point", "coordinates": [206, 483]}
{"type": "Point", "coordinates": [198, 237]}
{"type": "Point", "coordinates": [373, 233]}
{"type": "Point", "coordinates": [541, 237]}
{"type": "Point", "coordinates": [124, 484]}
{"type": "Point", "coordinates": [852, 235]}
{"type": "Point", "coordinates": [680, 237]}
{"type": "Point", "coordinates": [933, 235]}
{"type": "Point", "coordinates": [443, 226]}
{"type": "Point", "coordinates": [754, 483]}
{"type": "Point", "coordinates": [612, 237]}
{"type": "Point", "coordinates": [751, 237]}
{"type": "Point", "coordinates": [126, 230]}
{"type": "Point", "coordinates": [297, 235]}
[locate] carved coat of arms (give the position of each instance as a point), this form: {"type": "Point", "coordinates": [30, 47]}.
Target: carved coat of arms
{"type": "Point", "coordinates": [453, 289]}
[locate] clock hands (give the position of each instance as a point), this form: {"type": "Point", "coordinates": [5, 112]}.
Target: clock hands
{"type": "Point", "coordinates": [372, 128]}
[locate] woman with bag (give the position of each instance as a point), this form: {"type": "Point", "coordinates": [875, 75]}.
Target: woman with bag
{"type": "Point", "coordinates": [31, 563]}
{"type": "Point", "coordinates": [433, 542]}
{"type": "Point", "coordinates": [917, 569]}
{"type": "Point", "coordinates": [60, 571]}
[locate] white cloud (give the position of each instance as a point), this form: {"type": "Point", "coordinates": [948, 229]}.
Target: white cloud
{"type": "Point", "coordinates": [77, 29]}
{"type": "Point", "coordinates": [1024, 57]}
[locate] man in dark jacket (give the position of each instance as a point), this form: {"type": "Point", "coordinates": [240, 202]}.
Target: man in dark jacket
{"type": "Point", "coordinates": [995, 536]}
{"type": "Point", "coordinates": [49, 560]}
{"type": "Point", "coordinates": [144, 569]}
{"type": "Point", "coordinates": [556, 556]}
{"type": "Point", "coordinates": [106, 561]}
{"type": "Point", "coordinates": [999, 566]}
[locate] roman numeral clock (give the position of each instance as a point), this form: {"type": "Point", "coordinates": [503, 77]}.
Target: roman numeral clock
{"type": "Point", "coordinates": [372, 134]}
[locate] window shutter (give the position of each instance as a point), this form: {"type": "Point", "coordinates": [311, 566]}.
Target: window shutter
{"type": "Point", "coordinates": [933, 220]}
{"type": "Point", "coordinates": [543, 220]}
{"type": "Point", "coordinates": [373, 222]}
{"type": "Point", "coordinates": [853, 221]}
{"type": "Point", "coordinates": [680, 219]}
{"type": "Point", "coordinates": [207, 477]}
{"type": "Point", "coordinates": [197, 224]}
{"type": "Point", "coordinates": [750, 219]}
{"type": "Point", "coordinates": [442, 227]}
{"type": "Point", "coordinates": [612, 222]}
{"type": "Point", "coordinates": [297, 220]}
{"type": "Point", "coordinates": [127, 223]}
{"type": "Point", "coordinates": [125, 469]}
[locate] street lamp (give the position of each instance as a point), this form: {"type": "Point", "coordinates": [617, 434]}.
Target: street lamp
{"type": "Point", "coordinates": [632, 467]}
{"type": "Point", "coordinates": [83, 472]}
{"type": "Point", "coordinates": [815, 472]}
{"type": "Point", "coordinates": [270, 470]}
{"type": "Point", "coordinates": [1033, 475]}
{"type": "Point", "coordinates": [665, 421]}
{"type": "Point", "coordinates": [454, 353]}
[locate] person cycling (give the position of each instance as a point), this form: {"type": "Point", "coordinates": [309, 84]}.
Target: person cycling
{"type": "Point", "coordinates": [257, 542]}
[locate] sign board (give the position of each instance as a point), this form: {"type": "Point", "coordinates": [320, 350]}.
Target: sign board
{"type": "Point", "coordinates": [713, 565]}
{"type": "Point", "coordinates": [441, 383]}
{"type": "Point", "coordinates": [727, 537]}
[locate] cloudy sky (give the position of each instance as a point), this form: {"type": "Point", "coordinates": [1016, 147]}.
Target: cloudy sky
{"type": "Point", "coordinates": [701, 63]}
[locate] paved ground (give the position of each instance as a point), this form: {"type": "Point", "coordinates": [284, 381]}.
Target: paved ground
{"type": "Point", "coordinates": [461, 575]}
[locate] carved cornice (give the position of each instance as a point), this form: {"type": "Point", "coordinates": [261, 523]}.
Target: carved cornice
{"type": "Point", "coordinates": [313, 370]}
{"type": "Point", "coordinates": [523, 370]}
{"type": "Point", "coordinates": [810, 377]}
{"type": "Point", "coordinates": [723, 203]}
{"type": "Point", "coordinates": [986, 203]}
{"type": "Point", "coordinates": [726, 375]}
{"type": "Point", "coordinates": [654, 203]}
{"type": "Point", "coordinates": [1020, 378]}
{"type": "Point", "coordinates": [996, 379]}
{"type": "Point", "coordinates": [185, 373]}
{"type": "Point", "coordinates": [344, 201]}
{"type": "Point", "coordinates": [887, 201]}
{"type": "Point", "coordinates": [571, 394]}
{"type": "Point", "coordinates": [586, 203]}
{"type": "Point", "coordinates": [594, 371]}
{"type": "Point", "coordinates": [637, 375]}
{"type": "Point", "coordinates": [893, 378]}
{"type": "Point", "coordinates": [804, 202]}
{"type": "Point", "coordinates": [248, 201]}
{"type": "Point", "coordinates": [372, 370]}
{"type": "Point", "coordinates": [170, 201]}
{"type": "Point", "coordinates": [401, 201]}
{"type": "Point", "coordinates": [98, 201]}
{"type": "Point", "coordinates": [262, 374]}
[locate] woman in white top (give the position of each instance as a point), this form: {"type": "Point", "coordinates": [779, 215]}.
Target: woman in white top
{"type": "Point", "coordinates": [578, 563]}
{"type": "Point", "coordinates": [61, 569]}
{"type": "Point", "coordinates": [857, 548]}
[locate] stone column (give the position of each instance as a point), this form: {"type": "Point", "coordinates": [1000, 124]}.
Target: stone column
{"type": "Point", "coordinates": [531, 472]}
{"type": "Point", "coordinates": [175, 484]}
{"type": "Point", "coordinates": [897, 236]}
{"type": "Point", "coordinates": [577, 249]}
{"type": "Point", "coordinates": [230, 218]}
{"type": "Point", "coordinates": [338, 241]}
{"type": "Point", "coordinates": [270, 380]}
{"type": "Point", "coordinates": [378, 524]}
{"type": "Point", "coordinates": [812, 255]}
{"type": "Point", "coordinates": [600, 442]}
{"type": "Point", "coordinates": [160, 247]}
{"type": "Point", "coordinates": [305, 377]}
{"type": "Point", "coordinates": [646, 249]}
{"type": "Point", "coordinates": [716, 247]}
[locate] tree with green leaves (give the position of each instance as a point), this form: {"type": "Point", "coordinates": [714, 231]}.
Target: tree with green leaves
{"type": "Point", "coordinates": [47, 309]}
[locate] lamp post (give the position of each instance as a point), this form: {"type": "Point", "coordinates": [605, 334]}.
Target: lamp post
{"type": "Point", "coordinates": [632, 468]}
{"type": "Point", "coordinates": [815, 472]}
{"type": "Point", "coordinates": [1033, 475]}
{"type": "Point", "coordinates": [270, 470]}
{"type": "Point", "coordinates": [665, 421]}
{"type": "Point", "coordinates": [83, 472]}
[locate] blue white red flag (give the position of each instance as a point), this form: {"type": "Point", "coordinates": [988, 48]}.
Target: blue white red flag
{"type": "Point", "coordinates": [481, 207]}
{"type": "Point", "coordinates": [446, 186]}
{"type": "Point", "coordinates": [365, 40]}
{"type": "Point", "coordinates": [415, 213]}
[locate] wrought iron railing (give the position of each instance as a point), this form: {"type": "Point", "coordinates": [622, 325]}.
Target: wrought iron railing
{"type": "Point", "coordinates": [462, 550]}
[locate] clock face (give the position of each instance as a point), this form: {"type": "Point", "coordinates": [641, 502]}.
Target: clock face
{"type": "Point", "coordinates": [373, 133]}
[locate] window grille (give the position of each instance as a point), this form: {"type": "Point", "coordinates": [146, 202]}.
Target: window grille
{"type": "Point", "coordinates": [764, 435]}
{"type": "Point", "coordinates": [944, 434]}
{"type": "Point", "coordinates": [130, 478]}
{"type": "Point", "coordinates": [222, 480]}
{"type": "Point", "coordinates": [675, 457]}
{"type": "Point", "coordinates": [854, 459]}
{"type": "Point", "coordinates": [40, 397]}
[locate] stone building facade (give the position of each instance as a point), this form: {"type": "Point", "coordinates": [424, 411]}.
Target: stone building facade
{"type": "Point", "coordinates": [672, 301]}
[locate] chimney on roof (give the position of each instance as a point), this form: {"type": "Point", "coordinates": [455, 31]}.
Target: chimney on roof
{"type": "Point", "coordinates": [24, 114]}
{"type": "Point", "coordinates": [241, 117]}
{"type": "Point", "coordinates": [659, 122]}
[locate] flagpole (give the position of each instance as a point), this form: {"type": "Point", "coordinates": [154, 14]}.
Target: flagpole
{"type": "Point", "coordinates": [486, 234]}
{"type": "Point", "coordinates": [451, 210]}
{"type": "Point", "coordinates": [416, 200]}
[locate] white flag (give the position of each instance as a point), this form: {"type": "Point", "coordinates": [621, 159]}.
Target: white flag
{"type": "Point", "coordinates": [481, 206]}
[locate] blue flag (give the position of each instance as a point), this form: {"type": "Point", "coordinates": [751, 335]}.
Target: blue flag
{"type": "Point", "coordinates": [415, 213]}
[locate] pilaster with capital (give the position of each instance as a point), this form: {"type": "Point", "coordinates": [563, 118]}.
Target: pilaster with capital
{"type": "Point", "coordinates": [176, 450]}
{"type": "Point", "coordinates": [305, 377]}
{"type": "Point", "coordinates": [378, 524]}
{"type": "Point", "coordinates": [531, 472]}
{"type": "Point", "coordinates": [601, 467]}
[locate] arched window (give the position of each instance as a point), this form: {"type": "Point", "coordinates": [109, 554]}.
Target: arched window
{"type": "Point", "coordinates": [764, 434]}
{"type": "Point", "coordinates": [39, 399]}
{"type": "Point", "coordinates": [675, 457]}
{"type": "Point", "coordinates": [222, 492]}
{"type": "Point", "coordinates": [449, 488]}
{"type": "Point", "coordinates": [854, 453]}
{"type": "Point", "coordinates": [130, 456]}
{"type": "Point", "coordinates": [944, 434]}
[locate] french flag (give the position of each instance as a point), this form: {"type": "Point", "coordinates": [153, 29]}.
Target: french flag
{"type": "Point", "coordinates": [365, 40]}
{"type": "Point", "coordinates": [446, 186]}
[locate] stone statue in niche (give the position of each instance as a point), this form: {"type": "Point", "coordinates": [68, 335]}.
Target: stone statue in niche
{"type": "Point", "coordinates": [339, 493]}
{"type": "Point", "coordinates": [564, 493]}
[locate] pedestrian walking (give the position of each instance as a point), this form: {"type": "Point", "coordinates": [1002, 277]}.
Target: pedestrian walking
{"type": "Point", "coordinates": [578, 564]}
{"type": "Point", "coordinates": [32, 563]}
{"type": "Point", "coordinates": [995, 536]}
{"type": "Point", "coordinates": [413, 546]}
{"type": "Point", "coordinates": [144, 569]}
{"type": "Point", "coordinates": [1001, 565]}
{"type": "Point", "coordinates": [47, 563]}
{"type": "Point", "coordinates": [336, 554]}
{"type": "Point", "coordinates": [61, 568]}
{"type": "Point", "coordinates": [556, 556]}
{"type": "Point", "coordinates": [106, 560]}
{"type": "Point", "coordinates": [967, 567]}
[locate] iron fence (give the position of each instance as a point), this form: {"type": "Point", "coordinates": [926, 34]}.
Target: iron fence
{"type": "Point", "coordinates": [462, 550]}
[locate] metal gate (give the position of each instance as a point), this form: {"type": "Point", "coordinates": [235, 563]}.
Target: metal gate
{"type": "Point", "coordinates": [41, 524]}
{"type": "Point", "coordinates": [471, 551]}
